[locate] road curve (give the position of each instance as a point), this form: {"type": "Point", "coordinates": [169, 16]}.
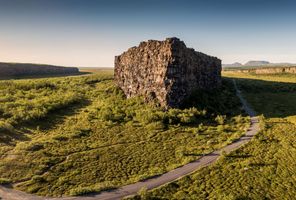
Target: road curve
{"type": "Point", "coordinates": [11, 194]}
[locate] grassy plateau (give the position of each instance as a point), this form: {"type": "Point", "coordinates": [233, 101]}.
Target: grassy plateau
{"type": "Point", "coordinates": [75, 135]}
{"type": "Point", "coordinates": [262, 169]}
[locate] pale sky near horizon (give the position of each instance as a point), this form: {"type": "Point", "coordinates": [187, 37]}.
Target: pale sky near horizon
{"type": "Point", "coordinates": [91, 32]}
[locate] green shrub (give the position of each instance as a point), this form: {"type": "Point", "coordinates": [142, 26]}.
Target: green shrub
{"type": "Point", "coordinates": [4, 181]}
{"type": "Point", "coordinates": [220, 119]}
{"type": "Point", "coordinates": [147, 116]}
{"type": "Point", "coordinates": [82, 190]}
{"type": "Point", "coordinates": [172, 116]}
{"type": "Point", "coordinates": [187, 118]}
{"type": "Point", "coordinates": [6, 127]}
{"type": "Point", "coordinates": [155, 126]}
{"type": "Point", "coordinates": [38, 178]}
{"type": "Point", "coordinates": [238, 119]}
{"type": "Point", "coordinates": [292, 119]}
{"type": "Point", "coordinates": [60, 138]}
{"type": "Point", "coordinates": [35, 147]}
{"type": "Point", "coordinates": [106, 114]}
{"type": "Point", "coordinates": [81, 132]}
{"type": "Point", "coordinates": [143, 193]}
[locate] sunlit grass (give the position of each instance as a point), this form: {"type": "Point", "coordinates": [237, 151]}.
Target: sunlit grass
{"type": "Point", "coordinates": [262, 169]}
{"type": "Point", "coordinates": [74, 135]}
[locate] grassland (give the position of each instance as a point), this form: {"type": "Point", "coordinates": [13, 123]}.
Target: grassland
{"type": "Point", "coordinates": [264, 168]}
{"type": "Point", "coordinates": [75, 135]}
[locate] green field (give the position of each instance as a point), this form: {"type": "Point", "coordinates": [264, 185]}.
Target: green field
{"type": "Point", "coordinates": [75, 135]}
{"type": "Point", "coordinates": [264, 168]}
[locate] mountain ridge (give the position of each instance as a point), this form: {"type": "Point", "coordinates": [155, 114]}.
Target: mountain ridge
{"type": "Point", "coordinates": [257, 63]}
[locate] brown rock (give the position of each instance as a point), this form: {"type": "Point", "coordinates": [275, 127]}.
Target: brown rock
{"type": "Point", "coordinates": [166, 70]}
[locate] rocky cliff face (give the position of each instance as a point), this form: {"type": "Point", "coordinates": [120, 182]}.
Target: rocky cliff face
{"type": "Point", "coordinates": [166, 70]}
{"type": "Point", "coordinates": [270, 70]}
{"type": "Point", "coordinates": [19, 69]}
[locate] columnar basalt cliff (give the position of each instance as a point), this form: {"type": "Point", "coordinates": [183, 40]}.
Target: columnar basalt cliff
{"type": "Point", "coordinates": [23, 69]}
{"type": "Point", "coordinates": [166, 70]}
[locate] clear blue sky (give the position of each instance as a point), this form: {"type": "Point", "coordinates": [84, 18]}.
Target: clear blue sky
{"type": "Point", "coordinates": [92, 32]}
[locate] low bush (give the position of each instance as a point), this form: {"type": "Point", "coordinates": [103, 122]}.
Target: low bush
{"type": "Point", "coordinates": [220, 119]}
{"type": "Point", "coordinates": [35, 147]}
{"type": "Point", "coordinates": [4, 181]}
{"type": "Point", "coordinates": [82, 190]}
{"type": "Point", "coordinates": [84, 133]}
{"type": "Point", "coordinates": [263, 168]}
{"type": "Point", "coordinates": [6, 127]}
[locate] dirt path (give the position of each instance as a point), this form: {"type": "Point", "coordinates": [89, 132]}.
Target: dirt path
{"type": "Point", "coordinates": [10, 194]}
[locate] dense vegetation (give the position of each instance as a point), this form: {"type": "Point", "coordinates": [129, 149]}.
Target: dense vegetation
{"type": "Point", "coordinates": [262, 169]}
{"type": "Point", "coordinates": [74, 135]}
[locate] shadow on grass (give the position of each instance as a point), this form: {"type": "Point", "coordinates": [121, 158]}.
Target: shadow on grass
{"type": "Point", "coordinates": [269, 98]}
{"type": "Point", "coordinates": [219, 101]}
{"type": "Point", "coordinates": [8, 137]}
{"type": "Point", "coordinates": [262, 164]}
{"type": "Point", "coordinates": [55, 117]}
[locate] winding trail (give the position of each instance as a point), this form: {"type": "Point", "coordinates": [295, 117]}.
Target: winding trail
{"type": "Point", "coordinates": [206, 160]}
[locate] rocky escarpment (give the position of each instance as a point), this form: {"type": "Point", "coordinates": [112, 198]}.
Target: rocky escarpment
{"type": "Point", "coordinates": [166, 70]}
{"type": "Point", "coordinates": [19, 69]}
{"type": "Point", "coordinates": [270, 70]}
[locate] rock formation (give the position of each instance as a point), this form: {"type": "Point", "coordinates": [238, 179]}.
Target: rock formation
{"type": "Point", "coordinates": [21, 69]}
{"type": "Point", "coordinates": [166, 70]}
{"type": "Point", "coordinates": [269, 70]}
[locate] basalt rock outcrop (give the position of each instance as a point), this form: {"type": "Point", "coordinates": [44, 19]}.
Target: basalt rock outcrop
{"type": "Point", "coordinates": [22, 69]}
{"type": "Point", "coordinates": [166, 70]}
{"type": "Point", "coordinates": [270, 70]}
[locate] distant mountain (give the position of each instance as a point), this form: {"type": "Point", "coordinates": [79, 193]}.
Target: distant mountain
{"type": "Point", "coordinates": [236, 64]}
{"type": "Point", "coordinates": [256, 63]}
